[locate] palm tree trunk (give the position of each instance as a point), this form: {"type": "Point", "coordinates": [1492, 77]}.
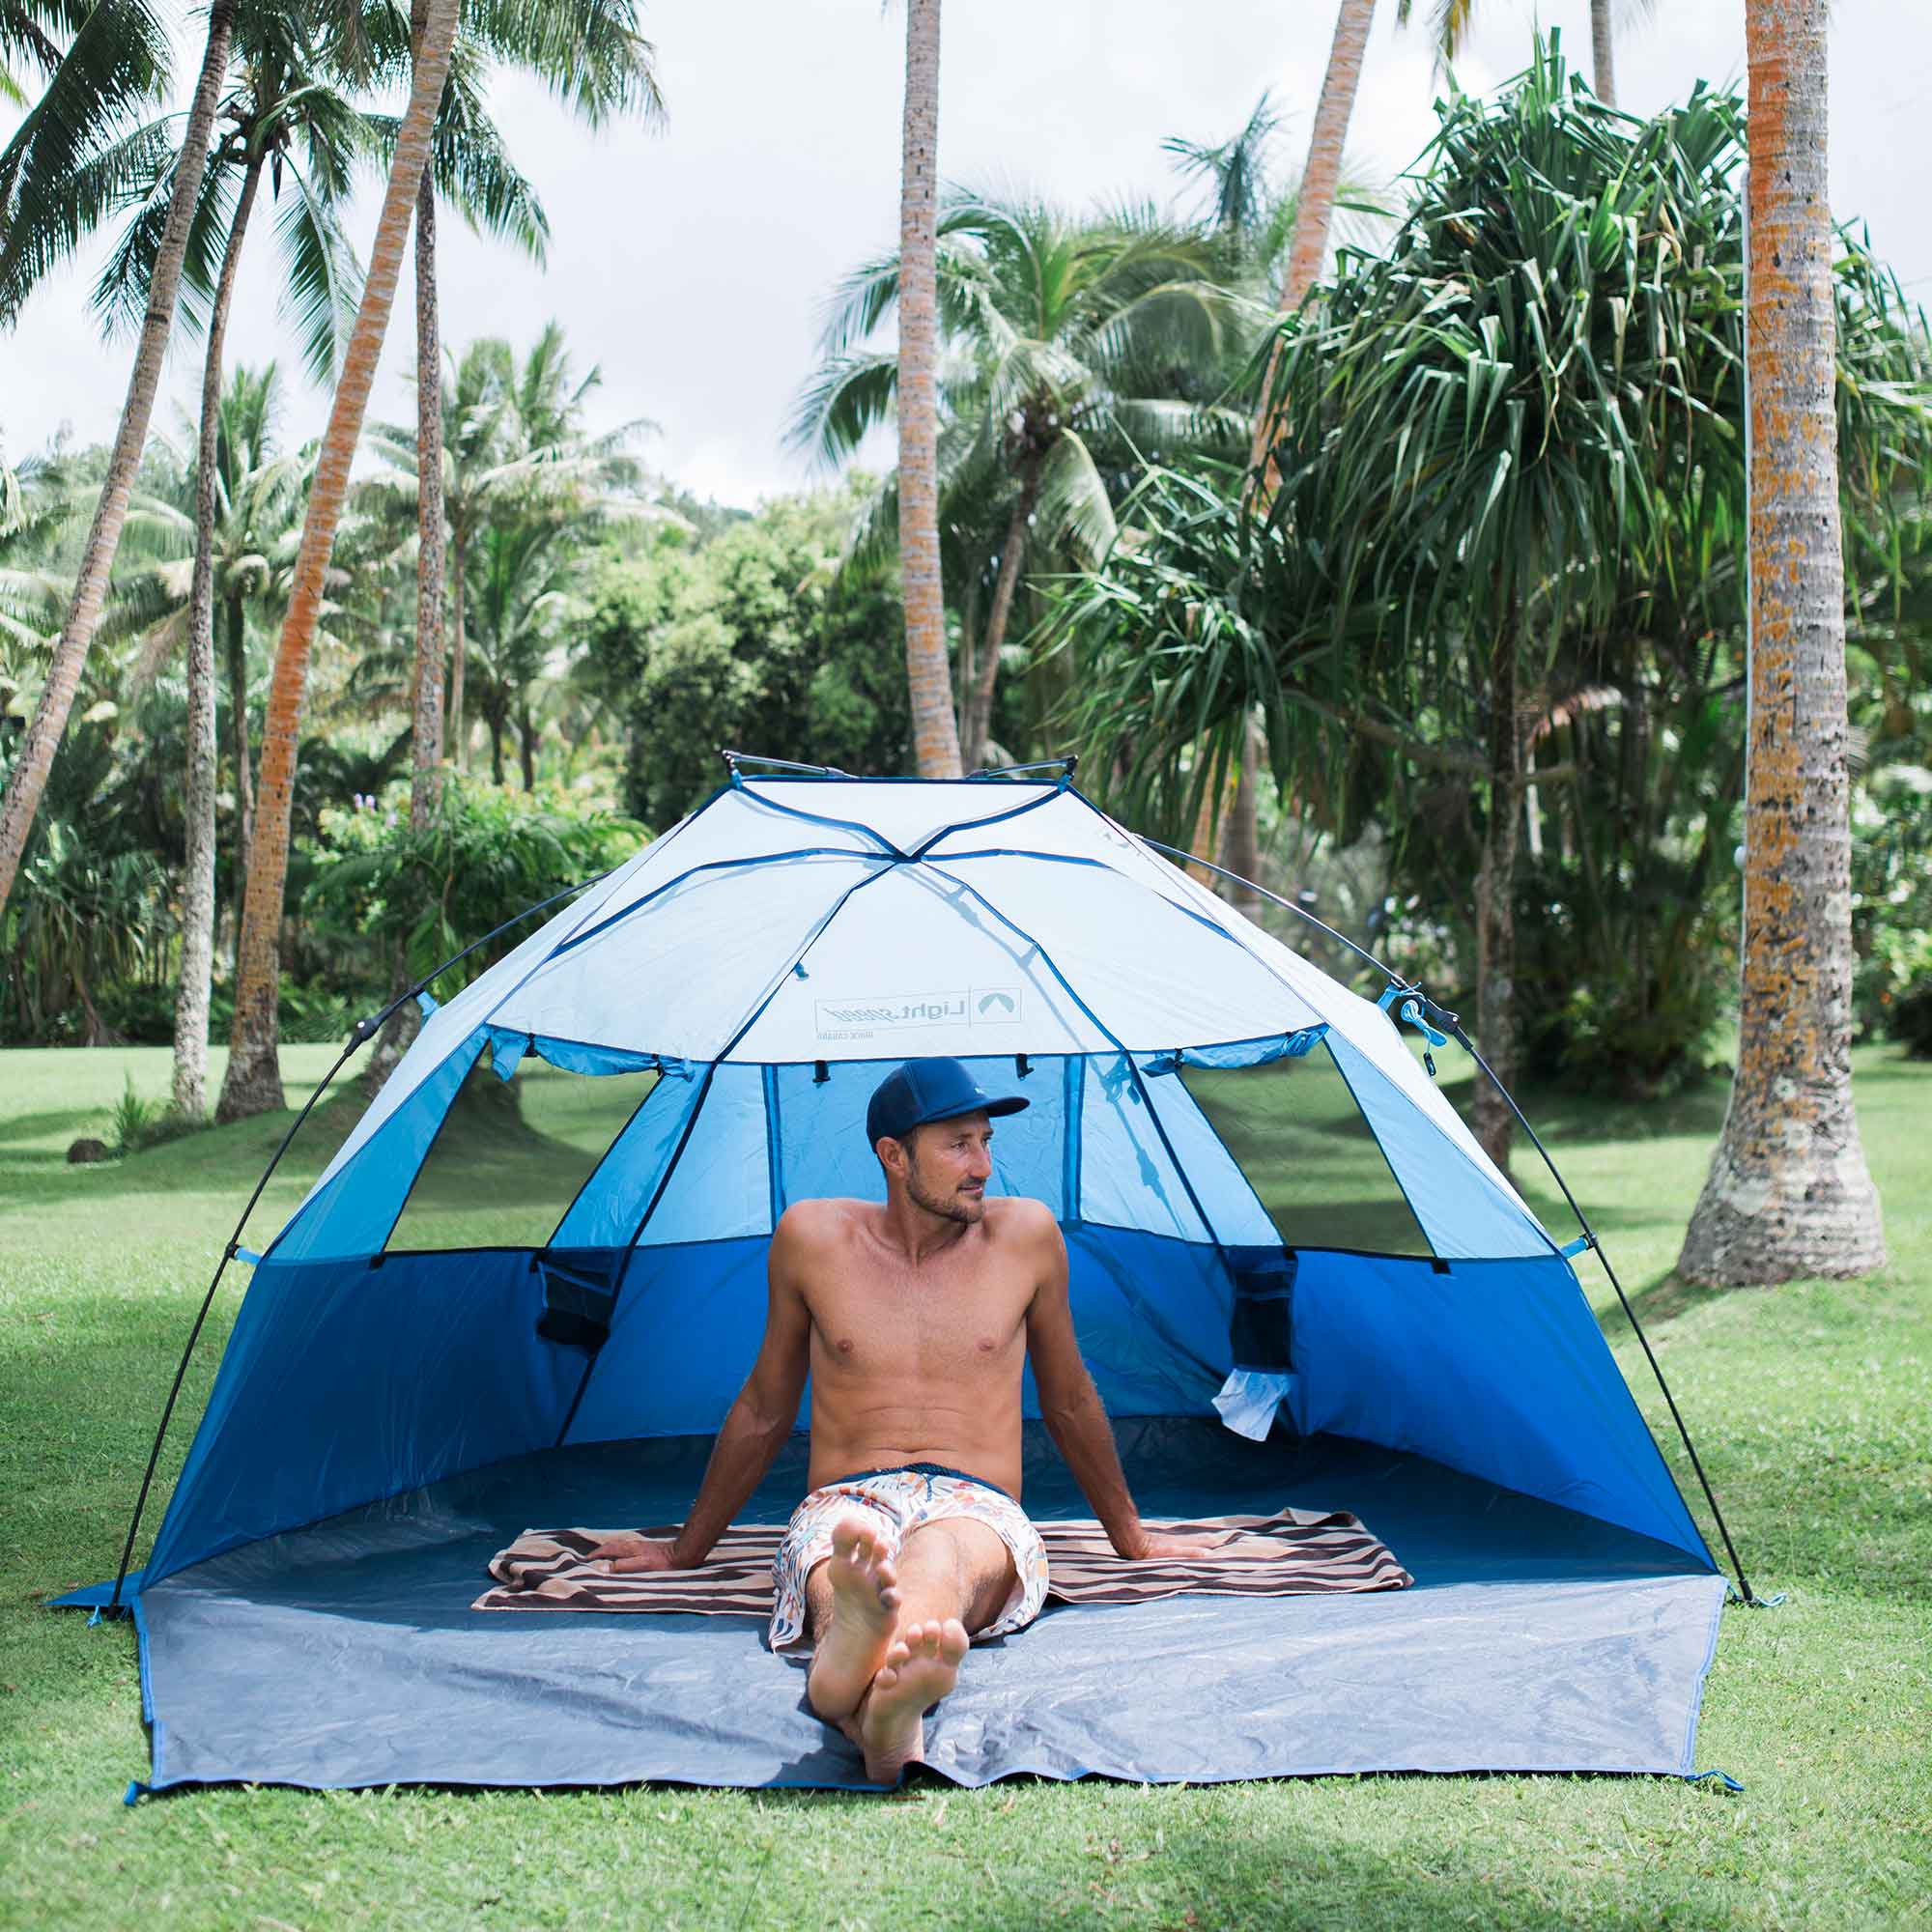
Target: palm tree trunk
{"type": "Point", "coordinates": [1602, 52]}
{"type": "Point", "coordinates": [197, 958]}
{"type": "Point", "coordinates": [527, 746]}
{"type": "Point", "coordinates": [495, 748]}
{"type": "Point", "coordinates": [1241, 850]}
{"type": "Point", "coordinates": [1495, 905]}
{"type": "Point", "coordinates": [979, 697]}
{"type": "Point", "coordinates": [427, 748]}
{"type": "Point", "coordinates": [237, 651]}
{"type": "Point", "coordinates": [1308, 244]}
{"type": "Point", "coordinates": [459, 735]}
{"type": "Point", "coordinates": [254, 1080]}
{"type": "Point", "coordinates": [400, 1030]}
{"type": "Point", "coordinates": [1314, 201]}
{"type": "Point", "coordinates": [29, 779]}
{"type": "Point", "coordinates": [1789, 1194]}
{"type": "Point", "coordinates": [969, 621]}
{"type": "Point", "coordinates": [935, 740]}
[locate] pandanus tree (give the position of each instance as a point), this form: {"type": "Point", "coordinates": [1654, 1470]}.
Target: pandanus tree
{"type": "Point", "coordinates": [1069, 346]}
{"type": "Point", "coordinates": [253, 1082]}
{"type": "Point", "coordinates": [41, 175]}
{"type": "Point", "coordinates": [1501, 445]}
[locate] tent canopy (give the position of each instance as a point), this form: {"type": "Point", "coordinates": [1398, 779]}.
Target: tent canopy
{"type": "Point", "coordinates": [764, 959]}
{"type": "Point", "coordinates": [749, 978]}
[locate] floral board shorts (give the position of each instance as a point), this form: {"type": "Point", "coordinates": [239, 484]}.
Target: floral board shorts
{"type": "Point", "coordinates": [903, 1500]}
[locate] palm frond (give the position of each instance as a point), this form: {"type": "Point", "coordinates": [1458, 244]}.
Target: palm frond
{"type": "Point", "coordinates": [117, 62]}
{"type": "Point", "coordinates": [321, 280]}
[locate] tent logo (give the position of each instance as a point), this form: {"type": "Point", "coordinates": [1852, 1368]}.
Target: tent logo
{"type": "Point", "coordinates": [888, 1012]}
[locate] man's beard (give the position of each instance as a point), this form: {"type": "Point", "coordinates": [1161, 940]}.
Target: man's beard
{"type": "Point", "coordinates": [969, 1213]}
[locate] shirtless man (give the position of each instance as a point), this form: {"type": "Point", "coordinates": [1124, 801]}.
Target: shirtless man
{"type": "Point", "coordinates": [915, 1320]}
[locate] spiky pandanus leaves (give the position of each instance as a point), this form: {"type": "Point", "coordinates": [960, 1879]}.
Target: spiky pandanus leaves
{"type": "Point", "coordinates": [1524, 423]}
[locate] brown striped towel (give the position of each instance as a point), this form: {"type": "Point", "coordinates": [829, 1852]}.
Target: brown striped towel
{"type": "Point", "coordinates": [1296, 1552]}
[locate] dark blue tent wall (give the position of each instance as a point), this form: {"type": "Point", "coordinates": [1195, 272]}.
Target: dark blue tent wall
{"type": "Point", "coordinates": [356, 1374]}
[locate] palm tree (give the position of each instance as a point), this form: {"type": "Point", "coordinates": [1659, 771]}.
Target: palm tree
{"type": "Point", "coordinates": [286, 117]}
{"type": "Point", "coordinates": [517, 459]}
{"type": "Point", "coordinates": [1065, 336]}
{"type": "Point", "coordinates": [1789, 1193]}
{"type": "Point", "coordinates": [242, 567]}
{"type": "Point", "coordinates": [1270, 240]}
{"type": "Point", "coordinates": [935, 735]}
{"type": "Point", "coordinates": [253, 1083]}
{"type": "Point", "coordinates": [115, 62]}
{"type": "Point", "coordinates": [28, 776]}
{"type": "Point", "coordinates": [1453, 17]}
{"type": "Point", "coordinates": [590, 55]}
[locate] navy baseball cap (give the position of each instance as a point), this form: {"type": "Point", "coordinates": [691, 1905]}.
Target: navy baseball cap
{"type": "Point", "coordinates": [929, 1090]}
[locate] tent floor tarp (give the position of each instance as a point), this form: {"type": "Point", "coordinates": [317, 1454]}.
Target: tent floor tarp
{"type": "Point", "coordinates": [347, 1654]}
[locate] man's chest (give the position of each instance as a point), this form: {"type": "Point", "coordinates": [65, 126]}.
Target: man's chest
{"type": "Point", "coordinates": [902, 1329]}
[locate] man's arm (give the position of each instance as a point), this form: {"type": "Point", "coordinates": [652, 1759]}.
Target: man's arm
{"type": "Point", "coordinates": [1075, 1418]}
{"type": "Point", "coordinates": [754, 1427]}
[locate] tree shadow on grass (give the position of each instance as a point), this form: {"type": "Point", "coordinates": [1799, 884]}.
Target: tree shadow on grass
{"type": "Point", "coordinates": [1660, 1302]}
{"type": "Point", "coordinates": [1229, 1856]}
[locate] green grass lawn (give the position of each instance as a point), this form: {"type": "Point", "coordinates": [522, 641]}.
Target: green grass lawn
{"type": "Point", "coordinates": [1812, 1404]}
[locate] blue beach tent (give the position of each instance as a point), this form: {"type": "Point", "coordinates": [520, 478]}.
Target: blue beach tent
{"type": "Point", "coordinates": [386, 1413]}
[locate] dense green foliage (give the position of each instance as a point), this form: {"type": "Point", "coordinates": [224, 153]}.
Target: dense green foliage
{"type": "Point", "coordinates": [1811, 1409]}
{"type": "Point", "coordinates": [750, 641]}
{"type": "Point", "coordinates": [1510, 455]}
{"type": "Point", "coordinates": [376, 888]}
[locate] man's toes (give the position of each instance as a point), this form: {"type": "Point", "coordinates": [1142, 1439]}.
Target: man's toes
{"type": "Point", "coordinates": [953, 1642]}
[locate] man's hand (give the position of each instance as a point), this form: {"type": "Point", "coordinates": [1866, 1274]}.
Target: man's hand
{"type": "Point", "coordinates": [629, 1552]}
{"type": "Point", "coordinates": [1156, 1544]}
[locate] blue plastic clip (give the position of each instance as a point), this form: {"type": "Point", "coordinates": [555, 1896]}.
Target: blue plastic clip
{"type": "Point", "coordinates": [136, 1791]}
{"type": "Point", "coordinates": [95, 1618]}
{"type": "Point", "coordinates": [426, 1000]}
{"type": "Point", "coordinates": [1698, 1777]}
{"type": "Point", "coordinates": [1572, 1249]}
{"type": "Point", "coordinates": [248, 1255]}
{"type": "Point", "coordinates": [1411, 1011]}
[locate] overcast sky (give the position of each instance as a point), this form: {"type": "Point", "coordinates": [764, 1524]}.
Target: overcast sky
{"type": "Point", "coordinates": [691, 263]}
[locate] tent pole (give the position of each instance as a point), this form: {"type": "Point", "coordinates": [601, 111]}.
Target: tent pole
{"type": "Point", "coordinates": [1453, 1026]}
{"type": "Point", "coordinates": [364, 1030]}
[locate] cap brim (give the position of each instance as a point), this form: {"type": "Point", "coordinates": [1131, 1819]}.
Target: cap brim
{"type": "Point", "coordinates": [991, 1106]}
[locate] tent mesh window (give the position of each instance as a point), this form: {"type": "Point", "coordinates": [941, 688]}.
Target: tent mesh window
{"type": "Point", "coordinates": [1301, 1140]}
{"type": "Point", "coordinates": [512, 1155]}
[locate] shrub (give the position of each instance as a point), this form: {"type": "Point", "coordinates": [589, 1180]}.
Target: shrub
{"type": "Point", "coordinates": [136, 1123]}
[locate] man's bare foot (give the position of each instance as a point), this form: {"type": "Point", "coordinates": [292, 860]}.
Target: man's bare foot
{"type": "Point", "coordinates": [920, 1667]}
{"type": "Point", "coordinates": [865, 1613]}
